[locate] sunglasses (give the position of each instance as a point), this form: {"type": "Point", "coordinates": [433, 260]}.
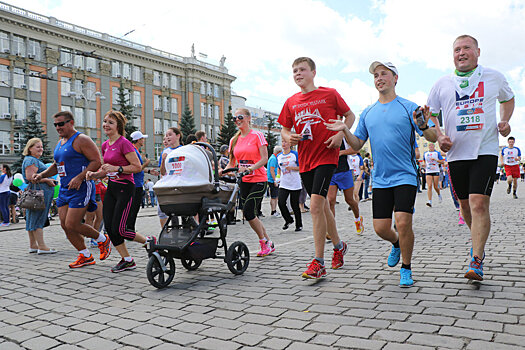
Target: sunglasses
{"type": "Point", "coordinates": [240, 117]}
{"type": "Point", "coordinates": [60, 124]}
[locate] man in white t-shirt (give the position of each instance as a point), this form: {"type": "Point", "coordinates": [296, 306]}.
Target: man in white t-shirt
{"type": "Point", "coordinates": [431, 161]}
{"type": "Point", "coordinates": [510, 158]}
{"type": "Point", "coordinates": [467, 100]}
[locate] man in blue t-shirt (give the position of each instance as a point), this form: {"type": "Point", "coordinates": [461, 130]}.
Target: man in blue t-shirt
{"type": "Point", "coordinates": [273, 184]}
{"type": "Point", "coordinates": [390, 125]}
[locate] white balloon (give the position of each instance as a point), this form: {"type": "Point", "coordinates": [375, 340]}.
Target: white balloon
{"type": "Point", "coordinates": [19, 176]}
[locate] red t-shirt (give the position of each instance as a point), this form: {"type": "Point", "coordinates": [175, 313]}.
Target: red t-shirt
{"type": "Point", "coordinates": [313, 109]}
{"type": "Point", "coordinates": [246, 152]}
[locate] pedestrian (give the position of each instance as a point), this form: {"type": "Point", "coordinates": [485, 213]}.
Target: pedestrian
{"type": "Point", "coordinates": [390, 125]}
{"type": "Point", "coordinates": [318, 154]}
{"type": "Point", "coordinates": [120, 163]}
{"type": "Point", "coordinates": [289, 185]}
{"type": "Point", "coordinates": [356, 163]}
{"type": "Point", "coordinates": [172, 140]}
{"type": "Point", "coordinates": [75, 154]}
{"type": "Point", "coordinates": [467, 101]}
{"type": "Point", "coordinates": [366, 176]}
{"type": "Point", "coordinates": [273, 184]}
{"type": "Point", "coordinates": [5, 181]}
{"type": "Point", "coordinates": [13, 198]}
{"type": "Point", "coordinates": [510, 158]}
{"type": "Point", "coordinates": [137, 139]}
{"type": "Point", "coordinates": [36, 219]}
{"type": "Point", "coordinates": [249, 152]}
{"type": "Point", "coordinates": [152, 198]}
{"type": "Point", "coordinates": [431, 161]}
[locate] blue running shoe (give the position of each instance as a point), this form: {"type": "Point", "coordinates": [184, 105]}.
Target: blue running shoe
{"type": "Point", "coordinates": [475, 269]}
{"type": "Point", "coordinates": [406, 280]}
{"type": "Point", "coordinates": [394, 256]}
{"type": "Point", "coordinates": [472, 249]}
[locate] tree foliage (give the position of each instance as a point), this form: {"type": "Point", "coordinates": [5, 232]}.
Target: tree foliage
{"type": "Point", "coordinates": [127, 110]}
{"type": "Point", "coordinates": [228, 130]}
{"type": "Point", "coordinates": [187, 122]}
{"type": "Point", "coordinates": [270, 136]}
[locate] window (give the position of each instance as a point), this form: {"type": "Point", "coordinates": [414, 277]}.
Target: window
{"type": "Point", "coordinates": [216, 90]}
{"type": "Point", "coordinates": [137, 101]}
{"type": "Point", "coordinates": [203, 127]}
{"type": "Point", "coordinates": [4, 105]}
{"type": "Point", "coordinates": [174, 83]}
{"type": "Point", "coordinates": [65, 57]}
{"type": "Point", "coordinates": [158, 150]}
{"type": "Point", "coordinates": [5, 142]}
{"type": "Point", "coordinates": [17, 141]}
{"type": "Point", "coordinates": [20, 109]}
{"type": "Point", "coordinates": [114, 95]}
{"type": "Point", "coordinates": [209, 91]}
{"type": "Point", "coordinates": [35, 106]}
{"type": "Point", "coordinates": [165, 104]}
{"type": "Point", "coordinates": [65, 86]}
{"type": "Point", "coordinates": [210, 132]}
{"type": "Point", "coordinates": [90, 91]}
{"type": "Point", "coordinates": [174, 106]}
{"type": "Point", "coordinates": [136, 122]}
{"type": "Point", "coordinates": [34, 81]}
{"type": "Point", "coordinates": [18, 77]}
{"type": "Point", "coordinates": [127, 96]}
{"type": "Point", "coordinates": [165, 80]}
{"type": "Point", "coordinates": [79, 88]}
{"type": "Point", "coordinates": [4, 75]}
{"type": "Point", "coordinates": [65, 108]}
{"type": "Point", "coordinates": [78, 62]}
{"type": "Point", "coordinates": [115, 69]}
{"type": "Point", "coordinates": [4, 42]}
{"type": "Point", "coordinates": [203, 88]}
{"type": "Point", "coordinates": [217, 131]}
{"type": "Point", "coordinates": [210, 111]}
{"type": "Point", "coordinates": [158, 126]}
{"type": "Point", "coordinates": [166, 124]}
{"type": "Point", "coordinates": [79, 117]}
{"type": "Point", "coordinates": [91, 64]}
{"type": "Point", "coordinates": [19, 47]}
{"type": "Point", "coordinates": [92, 118]}
{"type": "Point", "coordinates": [136, 74]}
{"type": "Point", "coordinates": [203, 109]}
{"type": "Point", "coordinates": [33, 49]}
{"type": "Point", "coordinates": [126, 71]}
{"type": "Point", "coordinates": [156, 102]}
{"type": "Point", "coordinates": [174, 123]}
{"type": "Point", "coordinates": [216, 112]}
{"type": "Point", "coordinates": [156, 78]}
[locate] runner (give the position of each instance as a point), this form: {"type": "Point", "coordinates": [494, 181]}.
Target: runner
{"type": "Point", "coordinates": [431, 161]}
{"type": "Point", "coordinates": [249, 152]}
{"type": "Point", "coordinates": [357, 165]}
{"type": "Point", "coordinates": [498, 173]}
{"type": "Point", "coordinates": [290, 186]}
{"type": "Point", "coordinates": [75, 154]}
{"type": "Point", "coordinates": [273, 184]}
{"type": "Point", "coordinates": [467, 100]}
{"type": "Point", "coordinates": [137, 139]}
{"type": "Point", "coordinates": [343, 180]}
{"type": "Point", "coordinates": [172, 140]}
{"type": "Point", "coordinates": [510, 158]}
{"type": "Point", "coordinates": [318, 154]}
{"type": "Point", "coordinates": [394, 177]}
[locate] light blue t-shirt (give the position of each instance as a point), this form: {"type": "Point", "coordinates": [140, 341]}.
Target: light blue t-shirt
{"type": "Point", "coordinates": [391, 128]}
{"type": "Point", "coordinates": [272, 161]}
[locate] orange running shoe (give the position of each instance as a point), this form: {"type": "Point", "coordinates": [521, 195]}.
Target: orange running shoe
{"type": "Point", "coordinates": [105, 248]}
{"type": "Point", "coordinates": [82, 261]}
{"type": "Point", "coordinates": [337, 257]}
{"type": "Point", "coordinates": [359, 226]}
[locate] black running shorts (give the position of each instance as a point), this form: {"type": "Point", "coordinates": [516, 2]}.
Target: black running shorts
{"type": "Point", "coordinates": [475, 176]}
{"type": "Point", "coordinates": [317, 180]}
{"type": "Point", "coordinates": [386, 200]}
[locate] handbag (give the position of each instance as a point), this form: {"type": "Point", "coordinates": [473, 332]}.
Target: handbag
{"type": "Point", "coordinates": [32, 199]}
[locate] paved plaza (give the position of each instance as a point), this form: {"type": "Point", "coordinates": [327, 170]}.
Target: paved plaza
{"type": "Point", "coordinates": [46, 305]}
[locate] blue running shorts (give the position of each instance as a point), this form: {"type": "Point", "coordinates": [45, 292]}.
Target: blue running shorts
{"type": "Point", "coordinates": [81, 198]}
{"type": "Point", "coordinates": [343, 180]}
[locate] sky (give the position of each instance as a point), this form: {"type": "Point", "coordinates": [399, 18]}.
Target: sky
{"type": "Point", "coordinates": [260, 40]}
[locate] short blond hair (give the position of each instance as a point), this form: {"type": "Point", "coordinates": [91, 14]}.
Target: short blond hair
{"type": "Point", "coordinates": [30, 144]}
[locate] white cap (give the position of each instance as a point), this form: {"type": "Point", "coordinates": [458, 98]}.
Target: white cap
{"type": "Point", "coordinates": [388, 65]}
{"type": "Point", "coordinates": [137, 135]}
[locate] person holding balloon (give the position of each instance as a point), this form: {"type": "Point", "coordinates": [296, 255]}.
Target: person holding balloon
{"type": "Point", "coordinates": [36, 219]}
{"type": "Point", "coordinates": [5, 180]}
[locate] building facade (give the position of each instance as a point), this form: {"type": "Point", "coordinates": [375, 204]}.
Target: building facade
{"type": "Point", "coordinates": [48, 65]}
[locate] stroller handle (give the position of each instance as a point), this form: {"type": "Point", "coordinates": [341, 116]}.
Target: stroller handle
{"type": "Point", "coordinates": [216, 186]}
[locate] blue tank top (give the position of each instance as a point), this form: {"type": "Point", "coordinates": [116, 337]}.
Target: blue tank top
{"type": "Point", "coordinates": [69, 162]}
{"type": "Point", "coordinates": [139, 177]}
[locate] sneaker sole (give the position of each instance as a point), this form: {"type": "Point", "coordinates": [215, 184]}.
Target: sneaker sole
{"type": "Point", "coordinates": [471, 275]}
{"type": "Point", "coordinates": [429, 205]}
{"type": "Point", "coordinates": [81, 265]}
{"type": "Point", "coordinates": [406, 285]}
{"type": "Point", "coordinates": [124, 269]}
{"type": "Point", "coordinates": [308, 277]}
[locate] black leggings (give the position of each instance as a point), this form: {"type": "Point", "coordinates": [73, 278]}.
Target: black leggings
{"type": "Point", "coordinates": [135, 207]}
{"type": "Point", "coordinates": [116, 211]}
{"type": "Point", "coordinates": [251, 196]}
{"type": "Point", "coordinates": [294, 201]}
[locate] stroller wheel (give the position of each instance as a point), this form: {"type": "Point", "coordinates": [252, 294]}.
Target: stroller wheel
{"type": "Point", "coordinates": [237, 258]}
{"type": "Point", "coordinates": [156, 276]}
{"type": "Point", "coordinates": [191, 264]}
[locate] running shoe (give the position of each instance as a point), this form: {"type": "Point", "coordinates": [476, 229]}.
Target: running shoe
{"type": "Point", "coordinates": [105, 248]}
{"type": "Point", "coordinates": [509, 188]}
{"type": "Point", "coordinates": [93, 243]}
{"type": "Point", "coordinates": [265, 248]}
{"type": "Point", "coordinates": [513, 196]}
{"type": "Point", "coordinates": [271, 247]}
{"type": "Point", "coordinates": [406, 280]}
{"type": "Point", "coordinates": [124, 265]}
{"type": "Point", "coordinates": [276, 214]}
{"type": "Point", "coordinates": [298, 229]}
{"type": "Point", "coordinates": [394, 256]}
{"type": "Point", "coordinates": [461, 222]}
{"type": "Point", "coordinates": [359, 225]}
{"type": "Point", "coordinates": [82, 261]}
{"type": "Point", "coordinates": [286, 225]}
{"type": "Point", "coordinates": [475, 269]}
{"type": "Point", "coordinates": [315, 270]}
{"type": "Point", "coordinates": [440, 198]}
{"type": "Point", "coordinates": [337, 257]}
{"type": "Point", "coordinates": [429, 204]}
{"type": "Point", "coordinates": [150, 240]}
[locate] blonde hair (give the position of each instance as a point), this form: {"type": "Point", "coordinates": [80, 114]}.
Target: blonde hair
{"type": "Point", "coordinates": [30, 144]}
{"type": "Point", "coordinates": [235, 137]}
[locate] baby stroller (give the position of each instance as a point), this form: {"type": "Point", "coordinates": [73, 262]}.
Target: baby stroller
{"type": "Point", "coordinates": [191, 187]}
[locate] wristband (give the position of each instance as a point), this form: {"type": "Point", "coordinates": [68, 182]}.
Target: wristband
{"type": "Point", "coordinates": [423, 129]}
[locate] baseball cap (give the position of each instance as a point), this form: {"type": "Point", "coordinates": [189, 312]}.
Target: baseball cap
{"type": "Point", "coordinates": [388, 65]}
{"type": "Point", "coordinates": [137, 135]}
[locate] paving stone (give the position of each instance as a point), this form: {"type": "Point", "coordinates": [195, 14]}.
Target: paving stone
{"type": "Point", "coordinates": [182, 338]}
{"type": "Point", "coordinates": [359, 343]}
{"type": "Point", "coordinates": [40, 343]}
{"type": "Point", "coordinates": [217, 344]}
{"type": "Point", "coordinates": [436, 340]}
{"type": "Point", "coordinates": [466, 333]}
{"type": "Point", "coordinates": [96, 343]}
{"type": "Point", "coordinates": [140, 340]}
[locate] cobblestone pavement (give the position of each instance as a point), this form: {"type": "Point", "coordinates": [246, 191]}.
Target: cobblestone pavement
{"type": "Point", "coordinates": [46, 305]}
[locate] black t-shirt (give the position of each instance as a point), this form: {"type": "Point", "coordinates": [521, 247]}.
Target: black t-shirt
{"type": "Point", "coordinates": [342, 166]}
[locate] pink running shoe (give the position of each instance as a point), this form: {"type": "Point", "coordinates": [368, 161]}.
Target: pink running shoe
{"type": "Point", "coordinates": [265, 248]}
{"type": "Point", "coordinates": [461, 222]}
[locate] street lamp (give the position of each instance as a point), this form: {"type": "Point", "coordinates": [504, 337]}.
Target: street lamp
{"type": "Point", "coordinates": [87, 96]}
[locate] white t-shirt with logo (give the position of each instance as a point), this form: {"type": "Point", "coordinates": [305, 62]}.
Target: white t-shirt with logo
{"type": "Point", "coordinates": [510, 155]}
{"type": "Point", "coordinates": [470, 122]}
{"type": "Point", "coordinates": [431, 161]}
{"type": "Point", "coordinates": [290, 179]}
{"type": "Point", "coordinates": [356, 162]}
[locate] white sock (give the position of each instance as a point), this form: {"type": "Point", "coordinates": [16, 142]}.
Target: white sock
{"type": "Point", "coordinates": [357, 219]}
{"type": "Point", "coordinates": [85, 252]}
{"type": "Point", "coordinates": [101, 238]}
{"type": "Point", "coordinates": [128, 258]}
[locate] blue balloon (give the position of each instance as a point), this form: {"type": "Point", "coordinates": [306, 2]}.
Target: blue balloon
{"type": "Point", "coordinates": [48, 165]}
{"type": "Point", "coordinates": [23, 186]}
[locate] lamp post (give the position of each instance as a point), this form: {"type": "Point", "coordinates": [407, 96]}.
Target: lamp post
{"type": "Point", "coordinates": [87, 96]}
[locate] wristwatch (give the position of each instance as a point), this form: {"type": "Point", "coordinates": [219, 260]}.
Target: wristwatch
{"type": "Point", "coordinates": [120, 169]}
{"type": "Point", "coordinates": [425, 128]}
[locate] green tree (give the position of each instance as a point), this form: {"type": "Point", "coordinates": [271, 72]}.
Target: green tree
{"type": "Point", "coordinates": [187, 123]}
{"type": "Point", "coordinates": [270, 136]}
{"type": "Point", "coordinates": [228, 130]}
{"type": "Point", "coordinates": [31, 128]}
{"type": "Point", "coordinates": [126, 109]}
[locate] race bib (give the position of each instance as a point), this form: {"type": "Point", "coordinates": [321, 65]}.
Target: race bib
{"type": "Point", "coordinates": [469, 119]}
{"type": "Point", "coordinates": [244, 164]}
{"type": "Point", "coordinates": [61, 168]}
{"type": "Point", "coordinates": [175, 165]}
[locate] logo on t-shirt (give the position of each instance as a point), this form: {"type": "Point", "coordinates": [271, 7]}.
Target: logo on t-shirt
{"type": "Point", "coordinates": [306, 116]}
{"type": "Point", "coordinates": [470, 114]}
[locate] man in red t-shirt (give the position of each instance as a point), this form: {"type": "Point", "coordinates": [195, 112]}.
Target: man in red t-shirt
{"type": "Point", "coordinates": [318, 150]}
